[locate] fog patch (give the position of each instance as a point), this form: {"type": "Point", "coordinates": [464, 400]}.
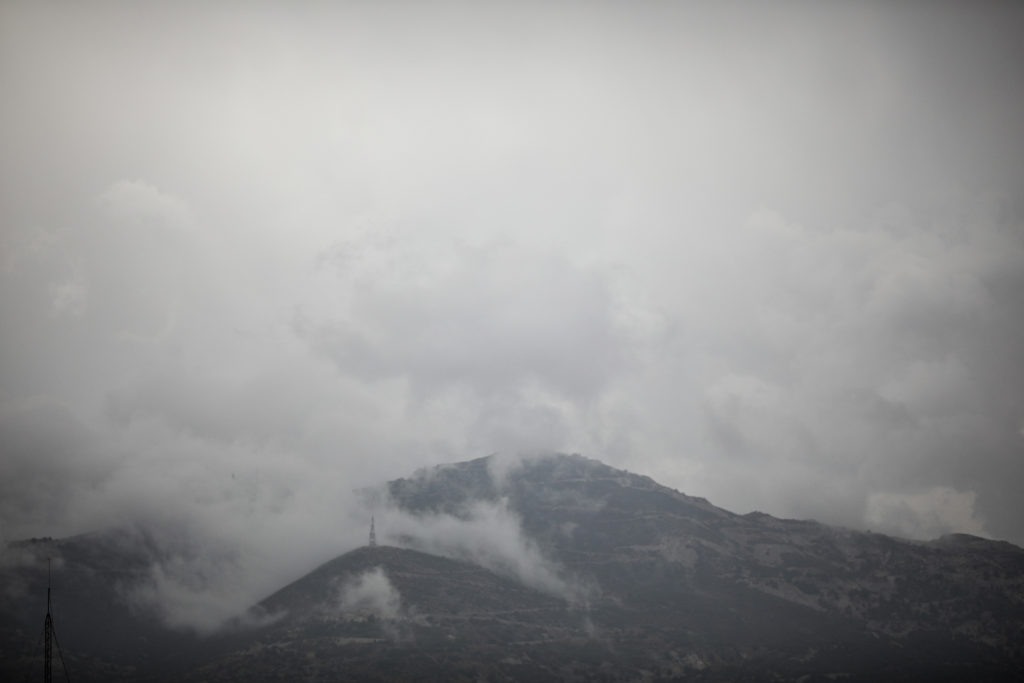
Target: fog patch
{"type": "Point", "coordinates": [16, 557]}
{"type": "Point", "coordinates": [926, 515]}
{"type": "Point", "coordinates": [505, 463]}
{"type": "Point", "coordinates": [486, 533]}
{"type": "Point", "coordinates": [203, 578]}
{"type": "Point", "coordinates": [371, 593]}
{"type": "Point", "coordinates": [182, 600]}
{"type": "Point", "coordinates": [192, 583]}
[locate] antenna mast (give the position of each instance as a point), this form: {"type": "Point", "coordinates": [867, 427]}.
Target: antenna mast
{"type": "Point", "coordinates": [50, 635]}
{"type": "Point", "coordinates": [373, 534]}
{"type": "Point", "coordinates": [48, 632]}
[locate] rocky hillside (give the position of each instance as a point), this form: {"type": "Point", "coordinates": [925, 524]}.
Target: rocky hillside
{"type": "Point", "coordinates": [735, 584]}
{"type": "Point", "coordinates": [649, 584]}
{"type": "Point", "coordinates": [386, 613]}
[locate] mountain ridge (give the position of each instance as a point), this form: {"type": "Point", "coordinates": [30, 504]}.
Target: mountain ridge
{"type": "Point", "coordinates": [560, 567]}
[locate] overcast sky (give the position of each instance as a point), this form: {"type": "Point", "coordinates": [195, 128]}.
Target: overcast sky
{"type": "Point", "coordinates": [253, 256]}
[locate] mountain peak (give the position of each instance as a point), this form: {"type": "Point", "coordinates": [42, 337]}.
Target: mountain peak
{"type": "Point", "coordinates": [559, 567]}
{"type": "Point", "coordinates": [448, 488]}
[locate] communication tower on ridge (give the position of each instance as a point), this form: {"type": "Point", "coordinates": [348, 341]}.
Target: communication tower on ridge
{"type": "Point", "coordinates": [373, 534]}
{"type": "Point", "coordinates": [50, 637]}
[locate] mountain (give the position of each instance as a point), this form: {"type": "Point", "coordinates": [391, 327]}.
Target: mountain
{"type": "Point", "coordinates": [561, 568]}
{"type": "Point", "coordinates": [679, 579]}
{"type": "Point", "coordinates": [386, 613]}
{"type": "Point", "coordinates": [102, 632]}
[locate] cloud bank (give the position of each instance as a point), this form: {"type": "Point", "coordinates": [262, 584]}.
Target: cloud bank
{"type": "Point", "coordinates": [253, 258]}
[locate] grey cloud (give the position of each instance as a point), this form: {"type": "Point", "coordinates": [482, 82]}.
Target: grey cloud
{"type": "Point", "coordinates": [51, 460]}
{"type": "Point", "coordinates": [881, 367]}
{"type": "Point", "coordinates": [195, 581]}
{"type": "Point", "coordinates": [771, 256]}
{"type": "Point", "coordinates": [491, 317]}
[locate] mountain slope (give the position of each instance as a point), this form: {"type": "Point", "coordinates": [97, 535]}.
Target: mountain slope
{"type": "Point", "coordinates": [737, 584]}
{"type": "Point", "coordinates": [652, 584]}
{"type": "Point", "coordinates": [385, 613]}
{"type": "Point", "coordinates": [103, 633]}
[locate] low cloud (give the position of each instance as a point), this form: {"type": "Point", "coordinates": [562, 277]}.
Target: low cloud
{"type": "Point", "coordinates": [493, 318]}
{"type": "Point", "coordinates": [478, 525]}
{"type": "Point", "coordinates": [853, 367]}
{"type": "Point", "coordinates": [51, 460]}
{"type": "Point", "coordinates": [371, 593]}
{"type": "Point", "coordinates": [925, 515]}
{"type": "Point", "coordinates": [487, 534]}
{"type": "Point", "coordinates": [184, 595]}
{"type": "Point", "coordinates": [36, 554]}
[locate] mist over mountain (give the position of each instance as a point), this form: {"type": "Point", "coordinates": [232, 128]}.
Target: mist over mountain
{"type": "Point", "coordinates": [553, 567]}
{"type": "Point", "coordinates": [252, 253]}
{"type": "Point", "coordinates": [256, 257]}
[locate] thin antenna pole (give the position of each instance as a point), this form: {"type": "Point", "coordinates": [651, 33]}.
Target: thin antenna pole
{"type": "Point", "coordinates": [48, 631]}
{"type": "Point", "coordinates": [373, 534]}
